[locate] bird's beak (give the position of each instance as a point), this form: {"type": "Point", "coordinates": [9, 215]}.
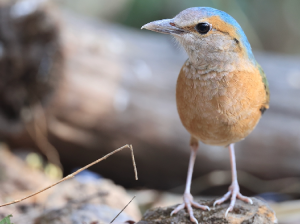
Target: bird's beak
{"type": "Point", "coordinates": [166, 26]}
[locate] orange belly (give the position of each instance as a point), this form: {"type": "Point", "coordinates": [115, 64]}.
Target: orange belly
{"type": "Point", "coordinates": [220, 110]}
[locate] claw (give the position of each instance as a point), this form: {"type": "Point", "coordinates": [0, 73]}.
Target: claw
{"type": "Point", "coordinates": [214, 205]}
{"type": "Point", "coordinates": [193, 219]}
{"type": "Point", "coordinates": [227, 211]}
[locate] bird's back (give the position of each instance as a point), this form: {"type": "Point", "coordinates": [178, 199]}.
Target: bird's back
{"type": "Point", "coordinates": [220, 108]}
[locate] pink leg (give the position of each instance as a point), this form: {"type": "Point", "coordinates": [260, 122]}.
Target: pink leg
{"type": "Point", "coordinates": [188, 200]}
{"type": "Point", "coordinates": [234, 189]}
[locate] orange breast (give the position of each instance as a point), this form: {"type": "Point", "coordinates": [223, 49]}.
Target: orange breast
{"type": "Point", "coordinates": [220, 110]}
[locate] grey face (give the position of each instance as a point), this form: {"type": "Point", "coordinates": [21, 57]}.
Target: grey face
{"type": "Point", "coordinates": [203, 41]}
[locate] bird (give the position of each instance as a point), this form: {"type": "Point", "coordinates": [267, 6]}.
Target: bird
{"type": "Point", "coordinates": [221, 90]}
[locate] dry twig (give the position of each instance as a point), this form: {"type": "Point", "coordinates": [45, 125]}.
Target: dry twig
{"type": "Point", "coordinates": [78, 171]}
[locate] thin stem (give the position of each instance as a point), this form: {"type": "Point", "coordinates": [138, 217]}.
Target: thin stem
{"type": "Point", "coordinates": [123, 209]}
{"type": "Point", "coordinates": [78, 171]}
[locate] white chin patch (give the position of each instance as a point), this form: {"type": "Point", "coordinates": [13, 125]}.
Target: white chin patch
{"type": "Point", "coordinates": [185, 40]}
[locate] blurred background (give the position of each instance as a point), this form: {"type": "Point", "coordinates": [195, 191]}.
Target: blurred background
{"type": "Point", "coordinates": [79, 79]}
{"type": "Point", "coordinates": [269, 25]}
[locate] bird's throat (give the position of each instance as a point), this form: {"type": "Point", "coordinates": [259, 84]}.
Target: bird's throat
{"type": "Point", "coordinates": [205, 68]}
{"type": "Point", "coordinates": [205, 71]}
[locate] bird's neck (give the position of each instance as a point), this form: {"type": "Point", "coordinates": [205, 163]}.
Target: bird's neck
{"type": "Point", "coordinates": [210, 66]}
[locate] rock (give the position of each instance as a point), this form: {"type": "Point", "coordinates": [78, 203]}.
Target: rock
{"type": "Point", "coordinates": [90, 196]}
{"type": "Point", "coordinates": [243, 213]}
{"type": "Point", "coordinates": [87, 213]}
{"type": "Point", "coordinates": [97, 200]}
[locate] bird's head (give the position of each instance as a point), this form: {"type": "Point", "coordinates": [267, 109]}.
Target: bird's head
{"type": "Point", "coordinates": [206, 33]}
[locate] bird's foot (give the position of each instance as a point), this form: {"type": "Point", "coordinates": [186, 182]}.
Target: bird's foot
{"type": "Point", "coordinates": [234, 191]}
{"type": "Point", "coordinates": [188, 202]}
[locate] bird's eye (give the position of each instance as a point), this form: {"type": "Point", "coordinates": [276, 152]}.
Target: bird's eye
{"type": "Point", "coordinates": [203, 28]}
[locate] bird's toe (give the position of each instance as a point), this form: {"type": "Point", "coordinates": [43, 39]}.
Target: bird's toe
{"type": "Point", "coordinates": [197, 205]}
{"type": "Point", "coordinates": [244, 198]}
{"type": "Point", "coordinates": [221, 200]}
{"type": "Point", "coordinates": [177, 209]}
